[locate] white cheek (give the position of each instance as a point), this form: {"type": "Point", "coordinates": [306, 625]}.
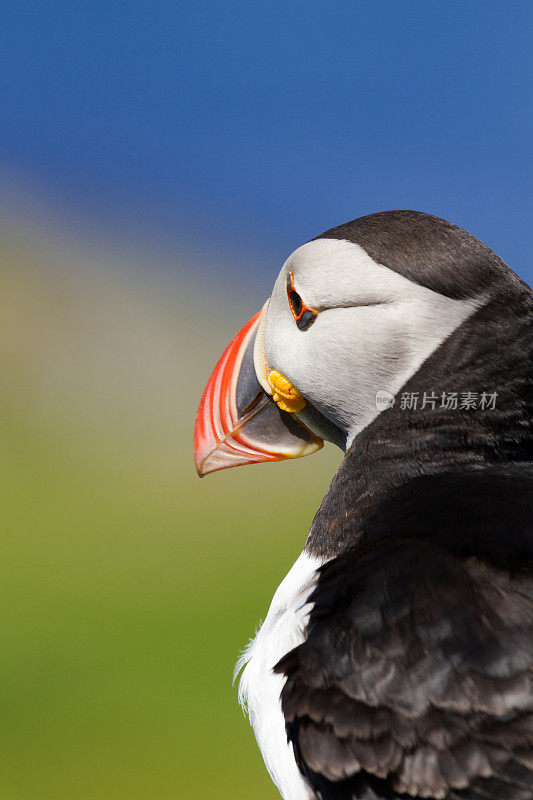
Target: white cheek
{"type": "Point", "coordinates": [350, 353]}
{"type": "Point", "coordinates": [345, 357]}
{"type": "Point", "coordinates": [340, 362]}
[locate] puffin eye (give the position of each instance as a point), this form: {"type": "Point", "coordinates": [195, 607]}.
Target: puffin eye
{"type": "Point", "coordinates": [296, 303]}
{"type": "Point", "coordinates": [303, 315]}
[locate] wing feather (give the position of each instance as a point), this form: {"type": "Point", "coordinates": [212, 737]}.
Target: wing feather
{"type": "Point", "coordinates": [415, 680]}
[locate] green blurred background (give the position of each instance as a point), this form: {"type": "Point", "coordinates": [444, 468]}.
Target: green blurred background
{"type": "Point", "coordinates": [129, 585]}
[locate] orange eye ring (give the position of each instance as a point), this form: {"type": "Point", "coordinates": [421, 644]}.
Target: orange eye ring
{"type": "Point", "coordinates": [304, 316]}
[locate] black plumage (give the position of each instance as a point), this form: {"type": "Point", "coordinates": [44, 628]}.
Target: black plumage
{"type": "Point", "coordinates": [415, 676]}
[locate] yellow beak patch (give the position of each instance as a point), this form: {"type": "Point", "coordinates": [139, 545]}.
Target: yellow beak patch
{"type": "Point", "coordinates": [287, 397]}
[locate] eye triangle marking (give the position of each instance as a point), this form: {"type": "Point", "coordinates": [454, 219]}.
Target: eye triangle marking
{"type": "Point", "coordinates": [303, 315]}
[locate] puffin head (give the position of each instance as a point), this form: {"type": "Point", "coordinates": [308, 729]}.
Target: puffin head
{"type": "Point", "coordinates": [352, 317]}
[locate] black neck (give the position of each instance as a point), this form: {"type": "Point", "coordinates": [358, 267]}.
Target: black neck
{"type": "Point", "coordinates": [460, 477]}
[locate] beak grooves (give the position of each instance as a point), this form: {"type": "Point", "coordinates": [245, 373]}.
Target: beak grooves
{"type": "Point", "coordinates": [237, 421]}
{"type": "Point", "coordinates": [218, 442]}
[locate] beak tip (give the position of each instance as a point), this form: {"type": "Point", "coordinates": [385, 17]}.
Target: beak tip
{"type": "Point", "coordinates": [201, 460]}
{"type": "Point", "coordinates": [203, 468]}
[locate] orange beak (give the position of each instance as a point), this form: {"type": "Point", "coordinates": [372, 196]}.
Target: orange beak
{"type": "Point", "coordinates": [237, 421]}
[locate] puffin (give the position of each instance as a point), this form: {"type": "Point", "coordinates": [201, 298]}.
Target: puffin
{"type": "Point", "coordinates": [396, 658]}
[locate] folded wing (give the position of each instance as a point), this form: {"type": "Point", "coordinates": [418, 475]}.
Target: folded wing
{"type": "Point", "coordinates": [415, 679]}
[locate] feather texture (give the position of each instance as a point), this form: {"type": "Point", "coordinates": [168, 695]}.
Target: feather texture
{"type": "Point", "coordinates": [415, 677]}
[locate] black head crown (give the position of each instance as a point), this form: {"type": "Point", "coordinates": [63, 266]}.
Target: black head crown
{"type": "Point", "coordinates": [429, 251]}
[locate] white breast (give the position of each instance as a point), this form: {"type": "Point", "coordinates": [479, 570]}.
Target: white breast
{"type": "Point", "coordinates": [260, 689]}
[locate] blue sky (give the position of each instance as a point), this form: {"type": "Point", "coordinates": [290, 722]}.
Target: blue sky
{"type": "Point", "coordinates": [255, 125]}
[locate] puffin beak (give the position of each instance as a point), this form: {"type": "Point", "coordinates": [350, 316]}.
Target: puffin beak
{"type": "Point", "coordinates": [237, 421]}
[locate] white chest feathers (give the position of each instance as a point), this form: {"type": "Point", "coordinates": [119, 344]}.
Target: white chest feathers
{"type": "Point", "coordinates": [260, 688]}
